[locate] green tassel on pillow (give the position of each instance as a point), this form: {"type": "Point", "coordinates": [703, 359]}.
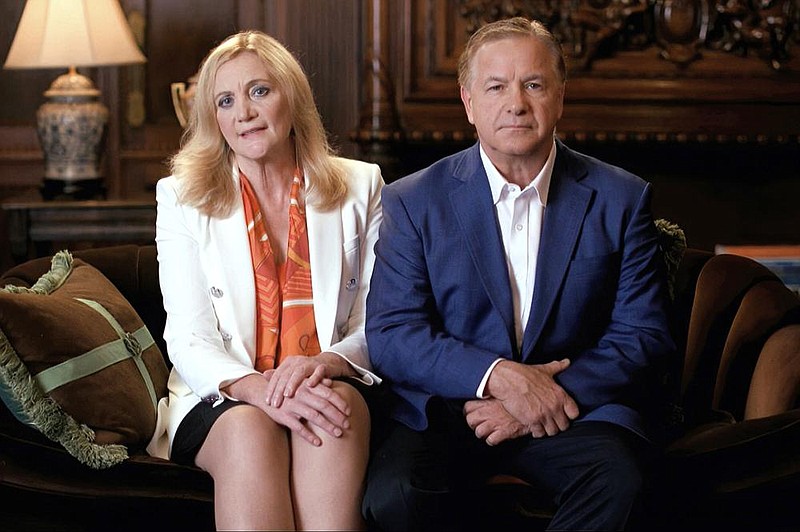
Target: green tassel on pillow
{"type": "Point", "coordinates": [672, 241]}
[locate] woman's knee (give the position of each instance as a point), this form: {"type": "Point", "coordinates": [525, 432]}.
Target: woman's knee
{"type": "Point", "coordinates": [246, 423]}
{"type": "Point", "coordinates": [359, 417]}
{"type": "Point", "coordinates": [352, 396]}
{"type": "Point", "coordinates": [242, 431]}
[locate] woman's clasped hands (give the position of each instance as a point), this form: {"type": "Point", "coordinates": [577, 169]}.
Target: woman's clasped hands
{"type": "Point", "coordinates": [301, 394]}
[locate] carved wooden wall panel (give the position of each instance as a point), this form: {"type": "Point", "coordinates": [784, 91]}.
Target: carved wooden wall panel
{"type": "Point", "coordinates": [435, 39]}
{"type": "Point", "coordinates": [701, 97]}
{"type": "Point", "coordinates": [640, 70]}
{"type": "Point", "coordinates": [704, 103]}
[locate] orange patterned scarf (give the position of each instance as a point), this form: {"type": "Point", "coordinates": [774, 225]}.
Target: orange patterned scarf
{"type": "Point", "coordinates": [285, 323]}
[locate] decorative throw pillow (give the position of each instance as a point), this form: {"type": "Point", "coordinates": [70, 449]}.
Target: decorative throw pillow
{"type": "Point", "coordinates": [78, 364]}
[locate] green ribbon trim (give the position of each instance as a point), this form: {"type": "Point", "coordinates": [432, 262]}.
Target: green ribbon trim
{"type": "Point", "coordinates": [129, 345]}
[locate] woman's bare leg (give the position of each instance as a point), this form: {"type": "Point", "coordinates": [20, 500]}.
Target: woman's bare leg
{"type": "Point", "coordinates": [328, 481]}
{"type": "Point", "coordinates": [247, 454]}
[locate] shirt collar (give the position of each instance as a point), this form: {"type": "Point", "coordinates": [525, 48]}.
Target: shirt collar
{"type": "Point", "coordinates": [541, 182]}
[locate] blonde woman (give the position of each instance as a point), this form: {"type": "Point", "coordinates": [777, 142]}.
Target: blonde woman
{"type": "Point", "coordinates": [265, 243]}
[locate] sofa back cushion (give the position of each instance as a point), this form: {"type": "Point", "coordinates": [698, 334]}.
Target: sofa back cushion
{"type": "Point", "coordinates": [738, 306]}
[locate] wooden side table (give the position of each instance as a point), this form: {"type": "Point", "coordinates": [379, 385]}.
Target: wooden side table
{"type": "Point", "coordinates": [36, 226]}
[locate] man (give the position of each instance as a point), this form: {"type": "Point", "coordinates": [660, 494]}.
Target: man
{"type": "Point", "coordinates": [517, 308]}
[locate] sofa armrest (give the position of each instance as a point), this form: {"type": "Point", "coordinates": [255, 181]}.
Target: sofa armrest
{"type": "Point", "coordinates": [734, 456]}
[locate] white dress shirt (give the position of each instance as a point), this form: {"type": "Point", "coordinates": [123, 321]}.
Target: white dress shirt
{"type": "Point", "coordinates": [519, 215]}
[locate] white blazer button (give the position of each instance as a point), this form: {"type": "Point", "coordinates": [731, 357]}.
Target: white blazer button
{"type": "Point", "coordinates": [226, 337]}
{"type": "Point", "coordinates": [216, 292]}
{"type": "Point", "coordinates": [351, 285]}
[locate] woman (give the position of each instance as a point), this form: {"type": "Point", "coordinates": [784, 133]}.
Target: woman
{"type": "Point", "coordinates": [265, 246]}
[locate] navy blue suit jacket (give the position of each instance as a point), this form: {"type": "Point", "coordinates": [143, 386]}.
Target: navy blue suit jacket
{"type": "Point", "coordinates": [440, 310]}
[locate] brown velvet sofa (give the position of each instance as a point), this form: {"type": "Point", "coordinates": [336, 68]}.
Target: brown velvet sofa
{"type": "Point", "coordinates": [732, 460]}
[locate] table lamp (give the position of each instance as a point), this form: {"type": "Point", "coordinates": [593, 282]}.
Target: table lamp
{"type": "Point", "coordinates": [72, 122]}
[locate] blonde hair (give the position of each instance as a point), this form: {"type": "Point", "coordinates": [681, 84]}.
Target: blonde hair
{"type": "Point", "coordinates": [203, 163]}
{"type": "Point", "coordinates": [504, 29]}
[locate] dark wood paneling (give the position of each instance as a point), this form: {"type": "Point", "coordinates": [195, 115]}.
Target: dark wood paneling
{"type": "Point", "coordinates": [717, 136]}
{"type": "Point", "coordinates": [626, 88]}
{"type": "Point", "coordinates": [718, 193]}
{"type": "Point", "coordinates": [179, 34]}
{"type": "Point", "coordinates": [326, 41]}
{"type": "Point", "coordinates": [175, 36]}
{"type": "Point", "coordinates": [662, 88]}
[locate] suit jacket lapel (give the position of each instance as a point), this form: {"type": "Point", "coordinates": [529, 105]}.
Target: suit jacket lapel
{"type": "Point", "coordinates": [566, 208]}
{"type": "Point", "coordinates": [472, 203]}
{"type": "Point", "coordinates": [229, 246]}
{"type": "Point", "coordinates": [325, 241]}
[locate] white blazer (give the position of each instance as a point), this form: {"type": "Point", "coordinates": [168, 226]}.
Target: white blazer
{"type": "Point", "coordinates": [206, 278]}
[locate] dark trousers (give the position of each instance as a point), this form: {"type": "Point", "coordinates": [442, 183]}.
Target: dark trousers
{"type": "Point", "coordinates": [416, 480]}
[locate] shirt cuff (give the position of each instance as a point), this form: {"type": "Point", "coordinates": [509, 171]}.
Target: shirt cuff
{"type": "Point", "coordinates": [364, 375]}
{"type": "Point", "coordinates": [481, 387]}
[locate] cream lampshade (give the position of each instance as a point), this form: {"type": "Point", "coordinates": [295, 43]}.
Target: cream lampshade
{"type": "Point", "coordinates": [72, 122]}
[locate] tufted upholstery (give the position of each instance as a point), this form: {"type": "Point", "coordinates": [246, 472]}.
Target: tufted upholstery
{"type": "Point", "coordinates": [735, 459]}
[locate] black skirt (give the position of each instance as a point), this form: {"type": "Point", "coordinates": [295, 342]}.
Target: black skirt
{"type": "Point", "coordinates": [194, 428]}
